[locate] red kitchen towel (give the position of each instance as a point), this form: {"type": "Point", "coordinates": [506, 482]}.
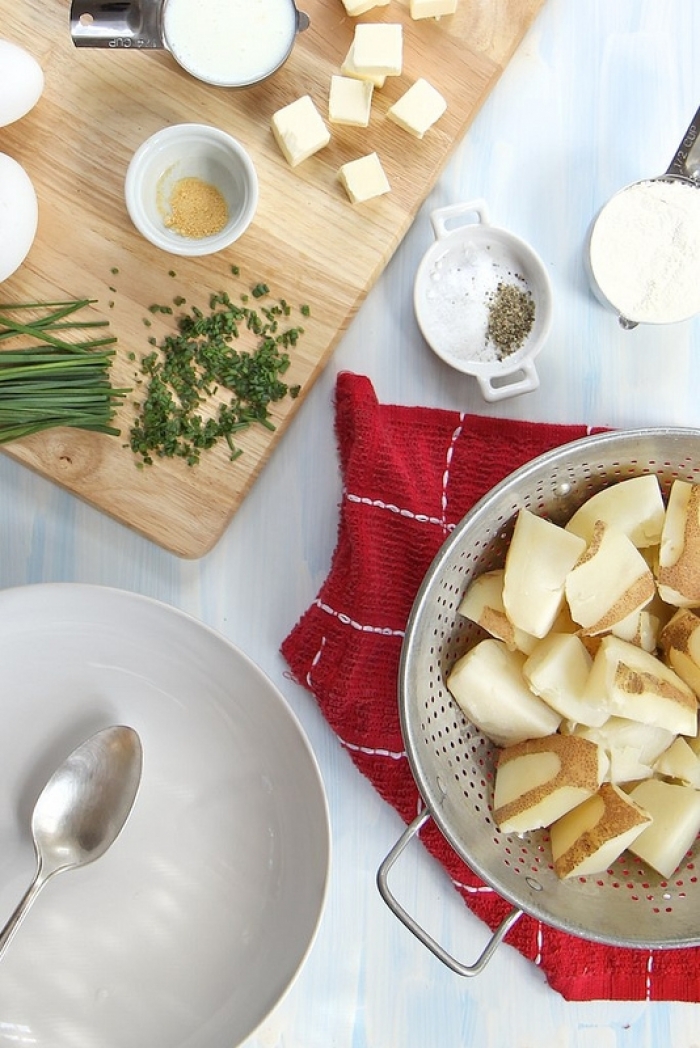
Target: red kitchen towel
{"type": "Point", "coordinates": [409, 476]}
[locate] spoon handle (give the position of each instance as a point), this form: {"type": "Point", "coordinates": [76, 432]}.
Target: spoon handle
{"type": "Point", "coordinates": [20, 910]}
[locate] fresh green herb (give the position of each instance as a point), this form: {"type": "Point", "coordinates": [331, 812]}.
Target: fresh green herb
{"type": "Point", "coordinates": [202, 389]}
{"type": "Point", "coordinates": [46, 380]}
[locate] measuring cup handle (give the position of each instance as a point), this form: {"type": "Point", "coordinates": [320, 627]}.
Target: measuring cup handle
{"type": "Point", "coordinates": [522, 379]}
{"type": "Point", "coordinates": [442, 215]}
{"type": "Point", "coordinates": [684, 162]}
{"type": "Point", "coordinates": [420, 933]}
{"type": "Point", "coordinates": [122, 24]}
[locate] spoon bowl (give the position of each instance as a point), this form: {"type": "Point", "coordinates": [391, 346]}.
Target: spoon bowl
{"type": "Point", "coordinates": [81, 810]}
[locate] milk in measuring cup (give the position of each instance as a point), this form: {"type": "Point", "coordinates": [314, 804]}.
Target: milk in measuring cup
{"type": "Point", "coordinates": [229, 42]}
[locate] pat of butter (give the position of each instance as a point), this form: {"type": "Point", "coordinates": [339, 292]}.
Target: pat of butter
{"type": "Point", "coordinates": [418, 108]}
{"type": "Point", "coordinates": [378, 48]}
{"type": "Point", "coordinates": [350, 101]}
{"type": "Point", "coordinates": [299, 130]}
{"type": "Point", "coordinates": [432, 8]}
{"type": "Point", "coordinates": [360, 7]}
{"type": "Point", "coordinates": [364, 178]}
{"type": "Point", "coordinates": [348, 68]}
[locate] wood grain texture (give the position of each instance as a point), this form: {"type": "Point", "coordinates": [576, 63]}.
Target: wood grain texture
{"type": "Point", "coordinates": [307, 242]}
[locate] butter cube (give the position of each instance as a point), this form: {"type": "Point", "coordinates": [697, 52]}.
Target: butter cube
{"type": "Point", "coordinates": [418, 108]}
{"type": "Point", "coordinates": [360, 7]}
{"type": "Point", "coordinates": [299, 130]}
{"type": "Point", "coordinates": [348, 68]}
{"type": "Point", "coordinates": [432, 8]}
{"type": "Point", "coordinates": [350, 101]}
{"type": "Point", "coordinates": [364, 178]}
{"type": "Point", "coordinates": [378, 48]}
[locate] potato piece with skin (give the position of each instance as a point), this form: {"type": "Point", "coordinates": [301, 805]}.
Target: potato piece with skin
{"type": "Point", "coordinates": [634, 684]}
{"type": "Point", "coordinates": [592, 836]}
{"type": "Point", "coordinates": [487, 684]}
{"type": "Point", "coordinates": [634, 506]}
{"type": "Point", "coordinates": [678, 575]}
{"type": "Point", "coordinates": [557, 670]}
{"type": "Point", "coordinates": [483, 604]}
{"type": "Point", "coordinates": [538, 780]}
{"type": "Point", "coordinates": [679, 642]}
{"type": "Point", "coordinates": [610, 581]}
{"type": "Point", "coordinates": [539, 558]}
{"type": "Point", "coordinates": [675, 812]}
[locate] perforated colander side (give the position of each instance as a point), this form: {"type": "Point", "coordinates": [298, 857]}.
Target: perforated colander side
{"type": "Point", "coordinates": [453, 763]}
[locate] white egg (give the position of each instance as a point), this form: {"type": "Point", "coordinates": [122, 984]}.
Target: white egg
{"type": "Point", "coordinates": [21, 82]}
{"type": "Point", "coordinates": [19, 214]}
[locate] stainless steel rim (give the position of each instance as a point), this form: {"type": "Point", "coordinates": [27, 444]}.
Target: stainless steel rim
{"type": "Point", "coordinates": [452, 763]}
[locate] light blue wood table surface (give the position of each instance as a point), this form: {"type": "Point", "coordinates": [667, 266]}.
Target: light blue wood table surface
{"type": "Point", "coordinates": [598, 95]}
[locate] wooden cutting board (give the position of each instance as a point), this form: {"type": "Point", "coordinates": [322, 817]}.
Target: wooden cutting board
{"type": "Point", "coordinates": [308, 242]}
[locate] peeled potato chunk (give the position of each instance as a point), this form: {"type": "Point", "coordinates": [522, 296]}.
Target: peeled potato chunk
{"type": "Point", "coordinates": [487, 684]}
{"type": "Point", "coordinates": [675, 811]}
{"type": "Point", "coordinates": [680, 762]}
{"type": "Point", "coordinates": [634, 684]}
{"type": "Point", "coordinates": [538, 780]}
{"type": "Point", "coordinates": [679, 642]}
{"type": "Point", "coordinates": [539, 558]}
{"type": "Point", "coordinates": [633, 506]}
{"type": "Point", "coordinates": [557, 670]}
{"type": "Point", "coordinates": [678, 575]}
{"type": "Point", "coordinates": [640, 628]}
{"type": "Point", "coordinates": [610, 581]}
{"type": "Point", "coordinates": [632, 748]}
{"type": "Point", "coordinates": [593, 835]}
{"type": "Point", "coordinates": [483, 604]}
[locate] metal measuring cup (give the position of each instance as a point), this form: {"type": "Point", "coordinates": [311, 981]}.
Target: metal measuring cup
{"type": "Point", "coordinates": [138, 25]}
{"type": "Point", "coordinates": [684, 167]}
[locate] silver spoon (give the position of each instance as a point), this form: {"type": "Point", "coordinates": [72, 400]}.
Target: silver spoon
{"type": "Point", "coordinates": [81, 810]}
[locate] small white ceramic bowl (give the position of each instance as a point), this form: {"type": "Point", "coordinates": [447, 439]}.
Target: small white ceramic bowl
{"type": "Point", "coordinates": [456, 281]}
{"type": "Point", "coordinates": [182, 151]}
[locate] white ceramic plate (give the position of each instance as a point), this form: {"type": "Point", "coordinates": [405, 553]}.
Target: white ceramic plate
{"type": "Point", "coordinates": [195, 923]}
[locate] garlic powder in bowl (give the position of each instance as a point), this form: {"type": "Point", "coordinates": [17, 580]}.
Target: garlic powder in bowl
{"type": "Point", "coordinates": [191, 189]}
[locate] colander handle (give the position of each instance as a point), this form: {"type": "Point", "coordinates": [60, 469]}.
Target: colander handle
{"type": "Point", "coordinates": [420, 933]}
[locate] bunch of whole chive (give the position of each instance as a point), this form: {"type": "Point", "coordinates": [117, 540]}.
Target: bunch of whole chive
{"type": "Point", "coordinates": [50, 374]}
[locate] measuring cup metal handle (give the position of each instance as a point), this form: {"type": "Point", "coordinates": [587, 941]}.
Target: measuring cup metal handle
{"type": "Point", "coordinates": [442, 215]}
{"type": "Point", "coordinates": [117, 23]}
{"type": "Point", "coordinates": [686, 162]}
{"type": "Point", "coordinates": [420, 933]}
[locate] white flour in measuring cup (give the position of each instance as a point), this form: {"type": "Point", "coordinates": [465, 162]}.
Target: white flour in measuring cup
{"type": "Point", "coordinates": [644, 251]}
{"type": "Point", "coordinates": [229, 42]}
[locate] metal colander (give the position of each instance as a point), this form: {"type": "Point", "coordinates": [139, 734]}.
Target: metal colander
{"type": "Point", "coordinates": [453, 763]}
